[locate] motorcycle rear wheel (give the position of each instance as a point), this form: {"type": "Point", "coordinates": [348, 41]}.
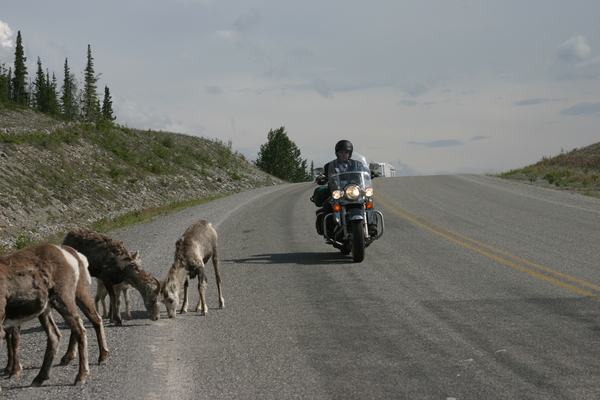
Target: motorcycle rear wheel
{"type": "Point", "coordinates": [358, 241]}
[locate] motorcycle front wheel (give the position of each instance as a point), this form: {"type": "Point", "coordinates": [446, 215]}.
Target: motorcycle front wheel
{"type": "Point", "coordinates": [358, 241]}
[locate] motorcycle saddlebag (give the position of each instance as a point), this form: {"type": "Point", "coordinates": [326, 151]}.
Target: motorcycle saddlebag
{"type": "Point", "coordinates": [320, 195]}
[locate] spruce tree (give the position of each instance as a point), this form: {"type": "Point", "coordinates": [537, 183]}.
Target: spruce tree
{"type": "Point", "coordinates": [52, 95]}
{"type": "Point", "coordinates": [90, 106]}
{"type": "Point", "coordinates": [40, 89]}
{"type": "Point", "coordinates": [4, 85]}
{"type": "Point", "coordinates": [19, 79]}
{"type": "Point", "coordinates": [67, 98]}
{"type": "Point", "coordinates": [107, 110]}
{"type": "Point", "coordinates": [281, 157]}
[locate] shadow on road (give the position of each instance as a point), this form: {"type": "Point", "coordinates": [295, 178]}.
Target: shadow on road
{"type": "Point", "coordinates": [323, 258]}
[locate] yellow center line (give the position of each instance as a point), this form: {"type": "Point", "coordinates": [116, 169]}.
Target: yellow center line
{"type": "Point", "coordinates": [439, 230]}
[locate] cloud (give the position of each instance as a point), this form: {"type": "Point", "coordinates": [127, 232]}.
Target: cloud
{"type": "Point", "coordinates": [478, 138]}
{"type": "Point", "coordinates": [403, 169]}
{"type": "Point", "coordinates": [321, 87]}
{"type": "Point", "coordinates": [194, 1]}
{"type": "Point", "coordinates": [583, 108]}
{"type": "Point", "coordinates": [574, 60]}
{"type": "Point", "coordinates": [5, 34]}
{"type": "Point", "coordinates": [407, 103]}
{"type": "Point", "coordinates": [229, 36]}
{"type": "Point", "coordinates": [446, 142]}
{"type": "Point", "coordinates": [214, 90]}
{"type": "Point", "coordinates": [239, 35]}
{"type": "Point", "coordinates": [415, 89]}
{"type": "Point", "coordinates": [438, 143]}
{"type": "Point", "coordinates": [574, 50]}
{"type": "Point", "coordinates": [530, 102]}
{"type": "Point", "coordinates": [247, 21]}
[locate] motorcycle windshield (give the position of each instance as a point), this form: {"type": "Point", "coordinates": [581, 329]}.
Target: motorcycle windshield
{"type": "Point", "coordinates": [355, 171]}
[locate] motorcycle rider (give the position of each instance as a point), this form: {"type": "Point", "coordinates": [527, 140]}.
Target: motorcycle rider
{"type": "Point", "coordinates": [342, 163]}
{"type": "Point", "coordinates": [343, 152]}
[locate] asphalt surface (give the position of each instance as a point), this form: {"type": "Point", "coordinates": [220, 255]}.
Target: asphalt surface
{"type": "Point", "coordinates": [479, 289]}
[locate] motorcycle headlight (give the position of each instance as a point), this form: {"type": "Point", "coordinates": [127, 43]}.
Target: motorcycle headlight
{"type": "Point", "coordinates": [336, 194]}
{"type": "Point", "coordinates": [352, 192]}
{"type": "Point", "coordinates": [369, 192]}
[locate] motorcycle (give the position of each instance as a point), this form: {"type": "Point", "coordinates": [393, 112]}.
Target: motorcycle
{"type": "Point", "coordinates": [347, 219]}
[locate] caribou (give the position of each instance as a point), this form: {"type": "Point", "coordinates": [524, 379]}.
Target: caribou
{"type": "Point", "coordinates": [100, 298]}
{"type": "Point", "coordinates": [193, 250]}
{"type": "Point", "coordinates": [32, 282]}
{"type": "Point", "coordinates": [110, 261]}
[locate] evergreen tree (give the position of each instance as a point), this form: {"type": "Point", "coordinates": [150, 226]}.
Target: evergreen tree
{"type": "Point", "coordinates": [19, 79]}
{"type": "Point", "coordinates": [4, 84]}
{"type": "Point", "coordinates": [9, 83]}
{"type": "Point", "coordinates": [40, 89]}
{"type": "Point", "coordinates": [52, 96]}
{"type": "Point", "coordinates": [68, 95]}
{"type": "Point", "coordinates": [281, 157]}
{"type": "Point", "coordinates": [107, 110]}
{"type": "Point", "coordinates": [90, 106]}
{"type": "Point", "coordinates": [44, 92]}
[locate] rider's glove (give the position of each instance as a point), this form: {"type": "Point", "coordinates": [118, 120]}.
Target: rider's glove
{"type": "Point", "coordinates": [321, 180]}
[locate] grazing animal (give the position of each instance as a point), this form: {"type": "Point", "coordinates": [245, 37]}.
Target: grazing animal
{"type": "Point", "coordinates": [84, 301]}
{"type": "Point", "coordinates": [33, 280]}
{"type": "Point", "coordinates": [101, 294]}
{"type": "Point", "coordinates": [110, 261]}
{"type": "Point", "coordinates": [193, 249]}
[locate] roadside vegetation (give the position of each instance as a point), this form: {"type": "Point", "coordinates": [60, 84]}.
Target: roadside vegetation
{"type": "Point", "coordinates": [282, 158]}
{"type": "Point", "coordinates": [577, 171]}
{"type": "Point", "coordinates": [57, 175]}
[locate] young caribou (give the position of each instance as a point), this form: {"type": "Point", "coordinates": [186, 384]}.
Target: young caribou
{"type": "Point", "coordinates": [193, 250]}
{"type": "Point", "coordinates": [100, 298]}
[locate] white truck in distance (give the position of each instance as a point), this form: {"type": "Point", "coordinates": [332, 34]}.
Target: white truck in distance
{"type": "Point", "coordinates": [383, 170]}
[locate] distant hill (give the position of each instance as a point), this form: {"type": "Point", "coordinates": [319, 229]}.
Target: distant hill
{"type": "Point", "coordinates": [577, 170]}
{"type": "Point", "coordinates": [55, 175]}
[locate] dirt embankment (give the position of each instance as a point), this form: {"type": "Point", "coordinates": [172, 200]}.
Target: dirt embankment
{"type": "Point", "coordinates": [50, 186]}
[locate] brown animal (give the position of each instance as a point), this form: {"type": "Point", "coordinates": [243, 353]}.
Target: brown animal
{"type": "Point", "coordinates": [110, 261]}
{"type": "Point", "coordinates": [31, 281]}
{"type": "Point", "coordinates": [84, 301]}
{"type": "Point", "coordinates": [193, 249]}
{"type": "Point", "coordinates": [100, 298]}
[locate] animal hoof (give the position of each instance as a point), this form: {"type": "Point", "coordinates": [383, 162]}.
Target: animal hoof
{"type": "Point", "coordinates": [79, 383]}
{"type": "Point", "coordinates": [65, 361]}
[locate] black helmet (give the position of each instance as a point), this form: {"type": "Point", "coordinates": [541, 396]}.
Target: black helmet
{"type": "Point", "coordinates": [344, 145]}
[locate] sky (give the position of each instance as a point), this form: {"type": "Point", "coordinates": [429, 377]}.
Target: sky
{"type": "Point", "coordinates": [429, 86]}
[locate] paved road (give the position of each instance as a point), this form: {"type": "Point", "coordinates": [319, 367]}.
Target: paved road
{"type": "Point", "coordinates": [479, 289]}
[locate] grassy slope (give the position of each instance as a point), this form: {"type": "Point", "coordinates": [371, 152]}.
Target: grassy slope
{"type": "Point", "coordinates": [55, 176]}
{"type": "Point", "coordinates": [577, 170]}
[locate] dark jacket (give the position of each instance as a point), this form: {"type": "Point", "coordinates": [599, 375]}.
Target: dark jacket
{"type": "Point", "coordinates": [351, 165]}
